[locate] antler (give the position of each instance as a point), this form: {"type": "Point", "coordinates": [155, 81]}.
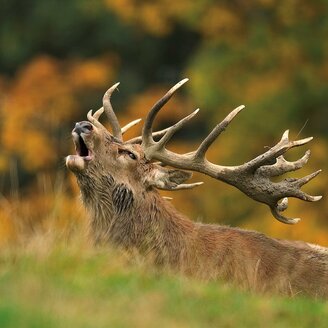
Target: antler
{"type": "Point", "coordinates": [118, 132]}
{"type": "Point", "coordinates": [94, 118]}
{"type": "Point", "coordinates": [252, 178]}
{"type": "Point", "coordinates": [116, 129]}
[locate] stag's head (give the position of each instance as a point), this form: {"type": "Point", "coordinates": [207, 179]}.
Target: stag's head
{"type": "Point", "coordinates": [101, 153]}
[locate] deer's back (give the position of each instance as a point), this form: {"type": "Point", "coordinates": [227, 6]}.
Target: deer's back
{"type": "Point", "coordinates": [257, 261]}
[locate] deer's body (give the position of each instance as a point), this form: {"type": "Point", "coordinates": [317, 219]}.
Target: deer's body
{"type": "Point", "coordinates": [146, 222]}
{"type": "Point", "coordinates": [119, 185]}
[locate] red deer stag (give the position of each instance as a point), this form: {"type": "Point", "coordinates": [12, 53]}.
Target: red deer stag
{"type": "Point", "coordinates": [119, 181]}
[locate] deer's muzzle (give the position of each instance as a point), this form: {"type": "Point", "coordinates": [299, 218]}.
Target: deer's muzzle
{"type": "Point", "coordinates": [83, 153]}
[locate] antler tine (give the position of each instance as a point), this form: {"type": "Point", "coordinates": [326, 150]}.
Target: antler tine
{"type": "Point", "coordinates": [174, 128]}
{"type": "Point", "coordinates": [169, 134]}
{"type": "Point", "coordinates": [98, 113]}
{"type": "Point", "coordinates": [157, 134]}
{"type": "Point", "coordinates": [94, 118]}
{"type": "Point", "coordinates": [130, 125]}
{"type": "Point", "coordinates": [200, 152]}
{"type": "Point", "coordinates": [282, 206]}
{"type": "Point", "coordinates": [147, 138]}
{"type": "Point", "coordinates": [184, 186]}
{"type": "Point", "coordinates": [138, 140]}
{"type": "Point", "coordinates": [116, 129]}
{"type": "Point", "coordinates": [306, 179]}
{"type": "Point", "coordinates": [125, 128]}
{"type": "Point", "coordinates": [282, 166]}
{"type": "Point", "coordinates": [276, 212]}
{"type": "Point", "coordinates": [280, 148]}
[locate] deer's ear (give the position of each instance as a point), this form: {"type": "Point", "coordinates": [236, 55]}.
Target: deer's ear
{"type": "Point", "coordinates": [167, 179]}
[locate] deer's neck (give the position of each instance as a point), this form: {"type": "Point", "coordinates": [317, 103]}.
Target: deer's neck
{"type": "Point", "coordinates": [132, 219]}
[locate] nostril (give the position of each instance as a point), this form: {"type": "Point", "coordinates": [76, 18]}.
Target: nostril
{"type": "Point", "coordinates": [83, 127]}
{"type": "Point", "coordinates": [89, 127]}
{"type": "Point", "coordinates": [86, 125]}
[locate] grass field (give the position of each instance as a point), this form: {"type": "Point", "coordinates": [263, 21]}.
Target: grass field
{"type": "Point", "coordinates": [51, 283]}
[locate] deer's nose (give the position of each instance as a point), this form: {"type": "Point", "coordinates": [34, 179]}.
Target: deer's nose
{"type": "Point", "coordinates": [82, 127]}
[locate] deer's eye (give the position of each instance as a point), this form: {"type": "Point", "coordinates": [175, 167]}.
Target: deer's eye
{"type": "Point", "coordinates": [131, 155]}
{"type": "Point", "coordinates": [126, 152]}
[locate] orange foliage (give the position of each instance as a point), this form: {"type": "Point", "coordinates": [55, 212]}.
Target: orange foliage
{"type": "Point", "coordinates": [40, 101]}
{"type": "Point", "coordinates": [91, 73]}
{"type": "Point", "coordinates": [262, 86]}
{"type": "Point", "coordinates": [7, 228]}
{"type": "Point", "coordinates": [47, 207]}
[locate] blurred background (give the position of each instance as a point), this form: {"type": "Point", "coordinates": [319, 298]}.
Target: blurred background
{"type": "Point", "coordinates": [59, 57]}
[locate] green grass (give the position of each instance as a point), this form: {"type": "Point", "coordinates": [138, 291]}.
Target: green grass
{"type": "Point", "coordinates": [72, 285]}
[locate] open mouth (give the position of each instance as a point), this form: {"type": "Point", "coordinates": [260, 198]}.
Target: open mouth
{"type": "Point", "coordinates": [81, 148]}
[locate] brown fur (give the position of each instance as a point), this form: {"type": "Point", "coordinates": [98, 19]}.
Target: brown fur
{"type": "Point", "coordinates": [126, 210]}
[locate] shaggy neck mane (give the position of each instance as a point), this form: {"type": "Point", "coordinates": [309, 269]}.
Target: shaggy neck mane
{"type": "Point", "coordinates": [144, 221]}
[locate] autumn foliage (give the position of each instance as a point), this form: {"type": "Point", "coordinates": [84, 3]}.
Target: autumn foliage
{"type": "Point", "coordinates": [56, 63]}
